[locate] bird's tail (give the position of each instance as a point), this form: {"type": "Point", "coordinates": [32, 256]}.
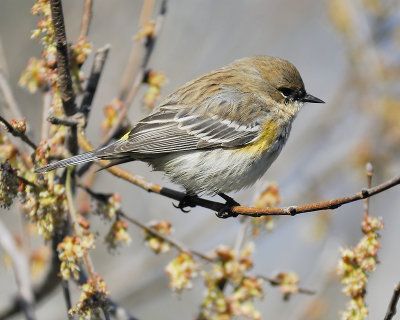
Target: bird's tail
{"type": "Point", "coordinates": [82, 158]}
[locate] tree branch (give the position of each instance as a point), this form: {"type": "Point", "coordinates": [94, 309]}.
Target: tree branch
{"type": "Point", "coordinates": [63, 69]}
{"type": "Point", "coordinates": [239, 210]}
{"type": "Point", "coordinates": [72, 121]}
{"type": "Point", "coordinates": [86, 17]}
{"type": "Point", "coordinates": [114, 308]}
{"type": "Point", "coordinates": [164, 238]}
{"type": "Point", "coordinates": [391, 311]}
{"type": "Point", "coordinates": [91, 87]}
{"type": "Point", "coordinates": [21, 270]}
{"type": "Point", "coordinates": [18, 134]}
{"type": "Point", "coordinates": [275, 283]}
{"type": "Point", "coordinates": [67, 296]}
{"type": "Point", "coordinates": [149, 46]}
{"type": "Point", "coordinates": [75, 226]}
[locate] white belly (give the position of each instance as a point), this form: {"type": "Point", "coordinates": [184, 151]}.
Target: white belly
{"type": "Point", "coordinates": [218, 170]}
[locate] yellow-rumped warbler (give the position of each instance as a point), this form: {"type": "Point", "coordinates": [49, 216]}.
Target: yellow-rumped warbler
{"type": "Point", "coordinates": [217, 133]}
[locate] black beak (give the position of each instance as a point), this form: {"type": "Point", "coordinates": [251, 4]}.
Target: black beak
{"type": "Point", "coordinates": [312, 99]}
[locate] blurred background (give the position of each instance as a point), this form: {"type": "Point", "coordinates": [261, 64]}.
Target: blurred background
{"type": "Point", "coordinates": [348, 55]}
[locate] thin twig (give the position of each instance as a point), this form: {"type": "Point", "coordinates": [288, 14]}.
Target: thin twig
{"type": "Point", "coordinates": [67, 296]}
{"type": "Point", "coordinates": [21, 270]}
{"type": "Point", "coordinates": [50, 280]}
{"type": "Point", "coordinates": [119, 312]}
{"type": "Point", "coordinates": [18, 134]}
{"type": "Point", "coordinates": [318, 206]}
{"type": "Point", "coordinates": [86, 18]}
{"type": "Point", "coordinates": [391, 311]}
{"type": "Point", "coordinates": [91, 86]}
{"type": "Point", "coordinates": [8, 96]}
{"type": "Point", "coordinates": [76, 227]}
{"type": "Point", "coordinates": [33, 185]}
{"type": "Point", "coordinates": [369, 169]}
{"type": "Point", "coordinates": [115, 309]}
{"type": "Point", "coordinates": [106, 314]}
{"type": "Point", "coordinates": [46, 109]}
{"type": "Point", "coordinates": [75, 120]}
{"type": "Point", "coordinates": [164, 238]}
{"type": "Point", "coordinates": [134, 55]}
{"type": "Point", "coordinates": [275, 283]}
{"type": "Point", "coordinates": [239, 210]}
{"type": "Point", "coordinates": [149, 44]}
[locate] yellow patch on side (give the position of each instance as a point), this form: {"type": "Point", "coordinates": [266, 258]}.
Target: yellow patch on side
{"type": "Point", "coordinates": [125, 136]}
{"type": "Point", "coordinates": [265, 140]}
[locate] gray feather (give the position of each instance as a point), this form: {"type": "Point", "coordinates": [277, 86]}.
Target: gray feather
{"type": "Point", "coordinates": [82, 158]}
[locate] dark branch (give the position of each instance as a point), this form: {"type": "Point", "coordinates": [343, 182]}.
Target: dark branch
{"type": "Point", "coordinates": [75, 120]}
{"type": "Point", "coordinates": [67, 296]}
{"type": "Point", "coordinates": [391, 311]}
{"type": "Point", "coordinates": [114, 308]}
{"type": "Point", "coordinates": [18, 134]}
{"type": "Point", "coordinates": [97, 68]}
{"type": "Point", "coordinates": [235, 210]}
{"type": "Point", "coordinates": [63, 68]}
{"type": "Point", "coordinates": [275, 283]}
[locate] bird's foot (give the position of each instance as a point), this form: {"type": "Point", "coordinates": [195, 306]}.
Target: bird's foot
{"type": "Point", "coordinates": [226, 210]}
{"type": "Point", "coordinates": [187, 201]}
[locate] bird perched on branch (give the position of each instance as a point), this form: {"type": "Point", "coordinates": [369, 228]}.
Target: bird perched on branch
{"type": "Point", "coordinates": [217, 133]}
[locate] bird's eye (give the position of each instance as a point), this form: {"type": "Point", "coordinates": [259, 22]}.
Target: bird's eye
{"type": "Point", "coordinates": [287, 92]}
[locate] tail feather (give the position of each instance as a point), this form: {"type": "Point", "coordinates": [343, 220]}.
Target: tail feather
{"type": "Point", "coordinates": [82, 158]}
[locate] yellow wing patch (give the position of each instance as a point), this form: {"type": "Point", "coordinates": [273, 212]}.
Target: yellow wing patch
{"type": "Point", "coordinates": [125, 136]}
{"type": "Point", "coordinates": [265, 140]}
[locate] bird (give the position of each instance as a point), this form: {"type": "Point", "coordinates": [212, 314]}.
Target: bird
{"type": "Point", "coordinates": [219, 132]}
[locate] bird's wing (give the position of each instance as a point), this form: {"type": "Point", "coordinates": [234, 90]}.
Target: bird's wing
{"type": "Point", "coordinates": [175, 127]}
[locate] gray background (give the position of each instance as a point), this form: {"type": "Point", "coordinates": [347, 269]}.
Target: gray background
{"type": "Point", "coordinates": [199, 36]}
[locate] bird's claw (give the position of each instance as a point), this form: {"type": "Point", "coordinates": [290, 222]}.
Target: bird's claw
{"type": "Point", "coordinates": [226, 210]}
{"type": "Point", "coordinates": [179, 206]}
{"type": "Point", "coordinates": [187, 201]}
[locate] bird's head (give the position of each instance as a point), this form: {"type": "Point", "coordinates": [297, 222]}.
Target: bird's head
{"type": "Point", "coordinates": [282, 81]}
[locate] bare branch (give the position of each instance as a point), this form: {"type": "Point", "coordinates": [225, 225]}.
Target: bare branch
{"type": "Point", "coordinates": [21, 270]}
{"type": "Point", "coordinates": [86, 17]}
{"type": "Point", "coordinates": [134, 55]}
{"type": "Point", "coordinates": [75, 120]}
{"type": "Point", "coordinates": [44, 132]}
{"type": "Point", "coordinates": [115, 309]}
{"type": "Point", "coordinates": [369, 169]}
{"type": "Point", "coordinates": [127, 98]}
{"type": "Point", "coordinates": [18, 134]}
{"type": "Point", "coordinates": [91, 87]}
{"type": "Point", "coordinates": [391, 311]}
{"type": "Point", "coordinates": [5, 87]}
{"type": "Point", "coordinates": [164, 238]}
{"type": "Point", "coordinates": [67, 296]}
{"type": "Point", "coordinates": [274, 283]}
{"type": "Point", "coordinates": [63, 69]}
{"type": "Point", "coordinates": [239, 210]}
{"type": "Point", "coordinates": [8, 96]}
{"type": "Point", "coordinates": [76, 227]}
{"type": "Point", "coordinates": [318, 206]}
